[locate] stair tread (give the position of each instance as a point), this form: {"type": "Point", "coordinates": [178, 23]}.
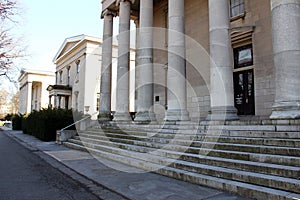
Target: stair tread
{"type": "Point", "coordinates": [238, 184]}
{"type": "Point", "coordinates": [227, 144]}
{"type": "Point", "coordinates": [212, 136]}
{"type": "Point", "coordinates": [226, 151]}
{"type": "Point", "coordinates": [260, 164]}
{"type": "Point", "coordinates": [209, 166]}
{"type": "Point", "coordinates": [206, 136]}
{"type": "Point", "coordinates": [250, 134]}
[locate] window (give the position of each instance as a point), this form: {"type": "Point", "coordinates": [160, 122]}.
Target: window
{"type": "Point", "coordinates": [60, 77]}
{"type": "Point", "coordinates": [69, 74]}
{"type": "Point", "coordinates": [243, 56]}
{"type": "Point", "coordinates": [56, 77]}
{"type": "Point", "coordinates": [78, 65]}
{"type": "Point", "coordinates": [156, 98]}
{"type": "Point", "coordinates": [66, 102]}
{"type": "Point", "coordinates": [237, 7]}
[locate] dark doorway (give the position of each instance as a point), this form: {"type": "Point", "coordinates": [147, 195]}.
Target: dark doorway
{"type": "Point", "coordinates": [244, 92]}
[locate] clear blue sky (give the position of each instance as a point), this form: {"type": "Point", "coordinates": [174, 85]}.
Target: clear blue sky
{"type": "Point", "coordinates": [46, 23]}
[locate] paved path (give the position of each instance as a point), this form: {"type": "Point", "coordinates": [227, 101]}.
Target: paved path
{"type": "Point", "coordinates": [25, 175]}
{"type": "Point", "coordinates": [109, 183]}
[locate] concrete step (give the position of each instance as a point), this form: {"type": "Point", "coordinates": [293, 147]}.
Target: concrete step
{"type": "Point", "coordinates": [204, 150]}
{"type": "Point", "coordinates": [221, 139]}
{"type": "Point", "coordinates": [250, 177]}
{"type": "Point", "coordinates": [197, 126]}
{"type": "Point", "coordinates": [236, 133]}
{"type": "Point", "coordinates": [208, 142]}
{"type": "Point", "coordinates": [244, 189]}
{"type": "Point", "coordinates": [265, 168]}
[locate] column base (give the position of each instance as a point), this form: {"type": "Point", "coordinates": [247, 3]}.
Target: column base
{"type": "Point", "coordinates": [177, 115]}
{"type": "Point", "coordinates": [145, 117]}
{"type": "Point", "coordinates": [222, 113]}
{"type": "Point", "coordinates": [286, 110]}
{"type": "Point", "coordinates": [104, 117]}
{"type": "Point", "coordinates": [122, 117]}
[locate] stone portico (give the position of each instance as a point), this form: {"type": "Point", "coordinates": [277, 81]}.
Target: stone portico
{"type": "Point", "coordinates": [265, 32]}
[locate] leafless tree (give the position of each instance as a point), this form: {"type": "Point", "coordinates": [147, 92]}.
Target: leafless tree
{"type": "Point", "coordinates": [10, 48]}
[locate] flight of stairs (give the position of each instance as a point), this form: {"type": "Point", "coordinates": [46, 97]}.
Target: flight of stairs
{"type": "Point", "coordinates": [255, 161]}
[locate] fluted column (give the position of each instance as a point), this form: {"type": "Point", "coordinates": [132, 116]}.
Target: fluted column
{"type": "Point", "coordinates": [221, 66]}
{"type": "Point", "coordinates": [176, 79]}
{"type": "Point", "coordinates": [122, 107]}
{"type": "Point", "coordinates": [106, 67]}
{"type": "Point", "coordinates": [286, 46]}
{"type": "Point", "coordinates": [145, 64]}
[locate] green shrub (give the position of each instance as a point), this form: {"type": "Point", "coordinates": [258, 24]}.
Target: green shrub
{"type": "Point", "coordinates": [43, 124]}
{"type": "Point", "coordinates": [8, 117]}
{"type": "Point", "coordinates": [24, 123]}
{"type": "Point", "coordinates": [17, 122]}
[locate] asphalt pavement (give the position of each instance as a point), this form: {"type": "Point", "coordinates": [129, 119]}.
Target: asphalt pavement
{"type": "Point", "coordinates": [25, 176]}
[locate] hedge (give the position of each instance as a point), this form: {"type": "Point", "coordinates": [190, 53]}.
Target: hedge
{"type": "Point", "coordinates": [43, 124]}
{"type": "Point", "coordinates": [17, 122]}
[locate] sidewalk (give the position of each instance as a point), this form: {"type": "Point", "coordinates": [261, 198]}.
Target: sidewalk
{"type": "Point", "coordinates": [108, 183]}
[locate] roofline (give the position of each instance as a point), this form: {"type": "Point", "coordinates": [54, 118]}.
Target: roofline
{"type": "Point", "coordinates": [25, 72]}
{"type": "Point", "coordinates": [80, 39]}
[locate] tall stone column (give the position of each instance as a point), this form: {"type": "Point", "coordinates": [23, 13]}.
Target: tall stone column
{"type": "Point", "coordinates": [106, 67]}
{"type": "Point", "coordinates": [144, 69]}
{"type": "Point", "coordinates": [221, 65]}
{"type": "Point", "coordinates": [176, 79]}
{"type": "Point", "coordinates": [122, 107]}
{"type": "Point", "coordinates": [29, 97]}
{"type": "Point", "coordinates": [286, 46]}
{"type": "Point", "coordinates": [137, 26]}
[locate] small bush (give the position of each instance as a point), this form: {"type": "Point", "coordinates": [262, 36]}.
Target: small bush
{"type": "Point", "coordinates": [17, 122]}
{"type": "Point", "coordinates": [8, 117]}
{"type": "Point", "coordinates": [43, 124]}
{"type": "Point", "coordinates": [24, 123]}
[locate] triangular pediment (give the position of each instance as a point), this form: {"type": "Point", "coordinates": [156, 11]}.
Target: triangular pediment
{"type": "Point", "coordinates": [67, 47]}
{"type": "Point", "coordinates": [70, 43]}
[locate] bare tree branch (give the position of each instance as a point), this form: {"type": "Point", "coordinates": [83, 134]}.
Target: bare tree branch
{"type": "Point", "coordinates": [11, 49]}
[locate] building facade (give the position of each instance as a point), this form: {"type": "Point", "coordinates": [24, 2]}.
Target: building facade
{"type": "Point", "coordinates": [205, 59]}
{"type": "Point", "coordinates": [33, 93]}
{"type": "Point", "coordinates": [78, 67]}
{"type": "Point", "coordinates": [77, 75]}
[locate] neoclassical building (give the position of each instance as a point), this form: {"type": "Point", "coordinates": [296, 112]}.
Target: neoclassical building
{"type": "Point", "coordinates": [205, 59]}
{"type": "Point", "coordinates": [78, 65]}
{"type": "Point", "coordinates": [77, 74]}
{"type": "Point", "coordinates": [33, 93]}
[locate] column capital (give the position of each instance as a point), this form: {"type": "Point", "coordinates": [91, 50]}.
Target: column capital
{"type": "Point", "coordinates": [119, 1]}
{"type": "Point", "coordinates": [108, 12]}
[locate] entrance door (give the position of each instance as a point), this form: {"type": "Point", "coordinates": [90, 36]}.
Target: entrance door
{"type": "Point", "coordinates": [244, 92]}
